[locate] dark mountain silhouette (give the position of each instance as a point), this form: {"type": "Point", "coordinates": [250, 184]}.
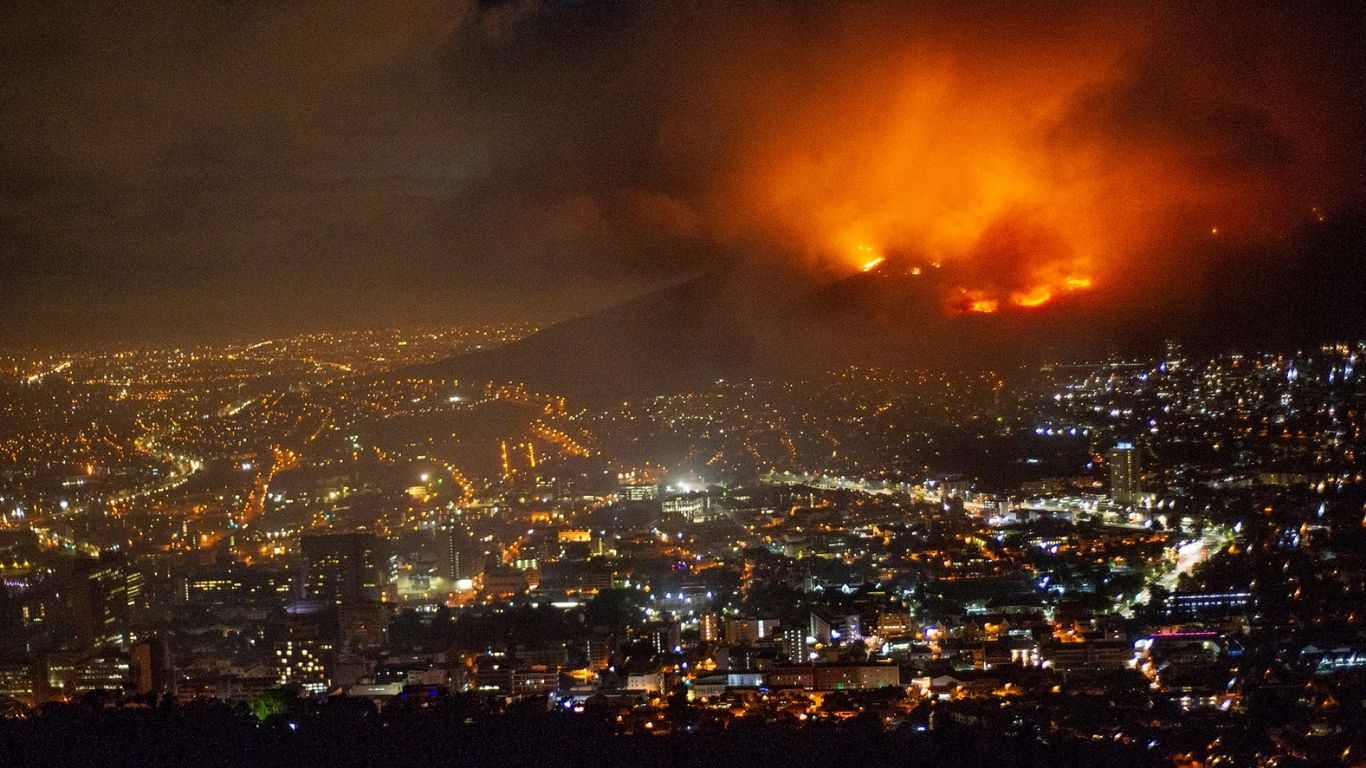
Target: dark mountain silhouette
{"type": "Point", "coordinates": [747, 321]}
{"type": "Point", "coordinates": [682, 334]}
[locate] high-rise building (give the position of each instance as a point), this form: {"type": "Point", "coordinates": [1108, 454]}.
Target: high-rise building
{"type": "Point", "coordinates": [794, 644]}
{"type": "Point", "coordinates": [342, 567]}
{"type": "Point", "coordinates": [450, 551]}
{"type": "Point", "coordinates": [457, 556]}
{"type": "Point", "coordinates": [106, 601]}
{"type": "Point", "coordinates": [1125, 474]}
{"type": "Point", "coordinates": [150, 662]}
{"type": "Point", "coordinates": [306, 657]}
{"type": "Point", "coordinates": [361, 629]}
{"type": "Point", "coordinates": [709, 627]}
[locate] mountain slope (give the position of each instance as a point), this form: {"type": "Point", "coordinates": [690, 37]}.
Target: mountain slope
{"type": "Point", "coordinates": [773, 322]}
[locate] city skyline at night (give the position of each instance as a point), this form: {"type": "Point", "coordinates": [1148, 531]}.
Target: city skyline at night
{"type": "Point", "coordinates": [640, 383]}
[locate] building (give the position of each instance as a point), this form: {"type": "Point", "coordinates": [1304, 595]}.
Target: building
{"type": "Point", "coordinates": [301, 663]}
{"type": "Point", "coordinates": [17, 682]}
{"type": "Point", "coordinates": [1089, 656]}
{"type": "Point", "coordinates": [749, 630]}
{"type": "Point", "coordinates": [835, 677]}
{"type": "Point", "coordinates": [458, 559]}
{"type": "Point", "coordinates": [74, 674]}
{"type": "Point", "coordinates": [709, 627]}
{"type": "Point", "coordinates": [652, 682]}
{"type": "Point", "coordinates": [1125, 475]}
{"type": "Point", "coordinates": [235, 585]}
{"type": "Point", "coordinates": [795, 646]}
{"type": "Point", "coordinates": [341, 567]}
{"type": "Point", "coordinates": [510, 582]}
{"type": "Point", "coordinates": [892, 625]}
{"type": "Point", "coordinates": [308, 654]}
{"type": "Point", "coordinates": [638, 491]}
{"type": "Point", "coordinates": [664, 637]}
{"type": "Point", "coordinates": [1191, 606]}
{"type": "Point", "coordinates": [819, 628]}
{"type": "Point", "coordinates": [841, 677]}
{"type": "Point", "coordinates": [361, 629]}
{"type": "Point", "coordinates": [534, 681]}
{"type": "Point", "coordinates": [152, 671]}
{"type": "Point", "coordinates": [711, 686]}
{"type": "Point", "coordinates": [106, 602]}
{"type": "Point", "coordinates": [597, 651]}
{"type": "Point", "coordinates": [691, 507]}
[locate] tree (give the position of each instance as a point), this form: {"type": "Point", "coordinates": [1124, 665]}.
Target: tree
{"type": "Point", "coordinates": [276, 701]}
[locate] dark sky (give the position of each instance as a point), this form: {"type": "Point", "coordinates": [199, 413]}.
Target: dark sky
{"type": "Point", "coordinates": [181, 170]}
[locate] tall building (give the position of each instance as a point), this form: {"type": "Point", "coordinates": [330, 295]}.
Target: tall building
{"type": "Point", "coordinates": [308, 653]}
{"type": "Point", "coordinates": [450, 553]}
{"type": "Point", "coordinates": [709, 627]}
{"type": "Point", "coordinates": [152, 671]}
{"type": "Point", "coordinates": [794, 644]}
{"type": "Point", "coordinates": [361, 629]}
{"type": "Point", "coordinates": [457, 557]}
{"type": "Point", "coordinates": [1125, 474]}
{"type": "Point", "coordinates": [342, 567]}
{"type": "Point", "coordinates": [106, 601]}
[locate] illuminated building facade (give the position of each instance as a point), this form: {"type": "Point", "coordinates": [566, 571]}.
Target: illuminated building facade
{"type": "Point", "coordinates": [1125, 475]}
{"type": "Point", "coordinates": [341, 568]}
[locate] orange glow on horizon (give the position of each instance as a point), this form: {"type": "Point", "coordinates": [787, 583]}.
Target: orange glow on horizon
{"type": "Point", "coordinates": [1005, 170]}
{"type": "Point", "coordinates": [938, 170]}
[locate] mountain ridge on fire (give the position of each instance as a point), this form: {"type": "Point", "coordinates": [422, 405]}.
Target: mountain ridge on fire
{"type": "Point", "coordinates": [759, 320]}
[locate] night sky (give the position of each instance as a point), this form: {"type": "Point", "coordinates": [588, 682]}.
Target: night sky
{"type": "Point", "coordinates": [199, 170]}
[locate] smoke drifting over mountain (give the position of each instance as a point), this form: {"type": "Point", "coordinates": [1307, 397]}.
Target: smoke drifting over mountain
{"type": "Point", "coordinates": [234, 165]}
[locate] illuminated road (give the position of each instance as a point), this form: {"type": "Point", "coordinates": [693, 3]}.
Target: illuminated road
{"type": "Point", "coordinates": [183, 467]}
{"type": "Point", "coordinates": [871, 487]}
{"type": "Point", "coordinates": [40, 375]}
{"type": "Point", "coordinates": [1188, 556]}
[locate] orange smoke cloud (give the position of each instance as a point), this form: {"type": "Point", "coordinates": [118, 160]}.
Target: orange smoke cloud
{"type": "Point", "coordinates": [1028, 163]}
{"type": "Point", "coordinates": [930, 157]}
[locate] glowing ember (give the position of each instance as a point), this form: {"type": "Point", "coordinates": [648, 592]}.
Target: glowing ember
{"type": "Point", "coordinates": [975, 301]}
{"type": "Point", "coordinates": [1035, 297]}
{"type": "Point", "coordinates": [868, 257]}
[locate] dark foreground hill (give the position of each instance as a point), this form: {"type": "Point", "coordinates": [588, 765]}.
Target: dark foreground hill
{"type": "Point", "coordinates": [351, 733]}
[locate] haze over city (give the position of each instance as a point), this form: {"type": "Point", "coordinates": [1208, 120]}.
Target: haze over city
{"type": "Point", "coordinates": [216, 170]}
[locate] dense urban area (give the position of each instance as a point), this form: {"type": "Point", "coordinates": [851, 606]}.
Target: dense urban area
{"type": "Point", "coordinates": [1151, 561]}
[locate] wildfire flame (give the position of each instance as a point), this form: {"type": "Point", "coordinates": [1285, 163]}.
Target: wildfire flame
{"type": "Point", "coordinates": [987, 301]}
{"type": "Point", "coordinates": [970, 300]}
{"type": "Point", "coordinates": [1035, 297]}
{"type": "Point", "coordinates": [999, 169]}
